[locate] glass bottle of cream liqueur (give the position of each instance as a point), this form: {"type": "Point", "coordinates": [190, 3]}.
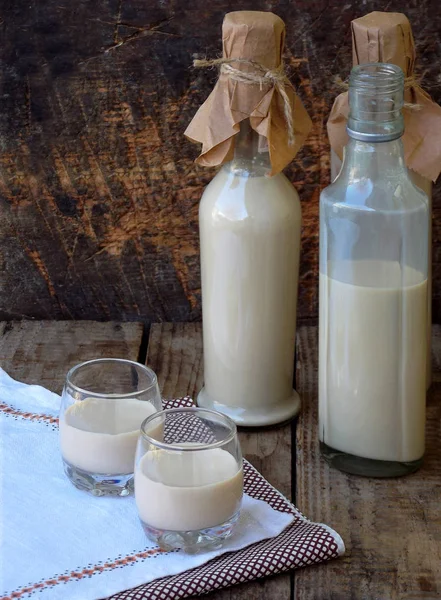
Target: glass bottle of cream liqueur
{"type": "Point", "coordinates": [373, 291]}
{"type": "Point", "coordinates": [252, 124]}
{"type": "Point", "coordinates": [387, 37]}
{"type": "Point", "coordinates": [250, 225]}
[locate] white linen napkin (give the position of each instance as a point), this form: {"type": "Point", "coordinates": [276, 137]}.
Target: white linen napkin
{"type": "Point", "coordinates": [57, 542]}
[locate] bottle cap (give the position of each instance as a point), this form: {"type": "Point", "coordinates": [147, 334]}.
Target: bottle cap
{"type": "Point", "coordinates": [252, 85]}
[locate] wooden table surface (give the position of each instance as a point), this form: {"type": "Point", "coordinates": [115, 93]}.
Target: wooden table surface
{"type": "Point", "coordinates": [391, 528]}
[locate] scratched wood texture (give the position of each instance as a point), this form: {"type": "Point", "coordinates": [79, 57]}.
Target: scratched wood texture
{"type": "Point", "coordinates": [175, 354]}
{"type": "Point", "coordinates": [42, 352]}
{"type": "Point", "coordinates": [98, 190]}
{"type": "Point", "coordinates": [391, 527]}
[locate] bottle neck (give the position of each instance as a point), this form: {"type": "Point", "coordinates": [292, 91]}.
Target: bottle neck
{"type": "Point", "coordinates": [375, 103]}
{"type": "Point", "coordinates": [367, 160]}
{"type": "Point", "coordinates": [250, 156]}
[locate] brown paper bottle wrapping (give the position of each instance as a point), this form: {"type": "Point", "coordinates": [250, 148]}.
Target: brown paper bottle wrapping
{"type": "Point", "coordinates": [257, 36]}
{"type": "Point", "coordinates": [387, 37]}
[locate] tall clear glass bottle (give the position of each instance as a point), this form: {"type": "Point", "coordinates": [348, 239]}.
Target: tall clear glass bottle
{"type": "Point", "coordinates": [250, 226]}
{"type": "Point", "coordinates": [387, 37]}
{"type": "Point", "coordinates": [373, 291]}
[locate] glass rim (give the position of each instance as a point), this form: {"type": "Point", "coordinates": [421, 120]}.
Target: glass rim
{"type": "Point", "coordinates": [179, 446]}
{"type": "Point", "coordinates": [125, 361]}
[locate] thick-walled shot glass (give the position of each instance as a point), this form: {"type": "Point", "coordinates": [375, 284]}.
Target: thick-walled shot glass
{"type": "Point", "coordinates": [103, 404]}
{"type": "Point", "coordinates": [188, 478]}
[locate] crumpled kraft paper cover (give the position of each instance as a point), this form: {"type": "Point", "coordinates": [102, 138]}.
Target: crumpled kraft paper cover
{"type": "Point", "coordinates": [257, 36]}
{"type": "Point", "coordinates": [387, 37]}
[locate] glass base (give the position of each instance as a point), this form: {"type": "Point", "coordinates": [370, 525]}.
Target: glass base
{"type": "Point", "coordinates": [99, 485]}
{"type": "Point", "coordinates": [192, 542]}
{"type": "Point", "coordinates": [367, 467]}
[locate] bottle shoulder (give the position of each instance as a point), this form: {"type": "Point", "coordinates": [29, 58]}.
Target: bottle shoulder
{"type": "Point", "coordinates": [239, 197]}
{"type": "Point", "coordinates": [385, 194]}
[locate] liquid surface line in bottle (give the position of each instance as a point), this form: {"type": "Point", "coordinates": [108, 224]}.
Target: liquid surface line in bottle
{"type": "Point", "coordinates": [373, 291]}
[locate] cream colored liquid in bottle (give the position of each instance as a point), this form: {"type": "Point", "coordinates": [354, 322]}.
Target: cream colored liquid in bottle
{"type": "Point", "coordinates": [250, 244]}
{"type": "Point", "coordinates": [253, 123]}
{"type": "Point", "coordinates": [371, 392]}
{"type": "Point", "coordinates": [373, 291]}
{"type": "Point", "coordinates": [387, 37]}
{"type": "Point", "coordinates": [425, 185]}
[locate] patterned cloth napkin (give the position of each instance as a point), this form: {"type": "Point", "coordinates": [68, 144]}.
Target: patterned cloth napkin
{"type": "Point", "coordinates": [57, 542]}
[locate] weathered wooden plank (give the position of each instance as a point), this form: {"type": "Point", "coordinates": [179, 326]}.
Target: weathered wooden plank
{"type": "Point", "coordinates": [391, 528]}
{"type": "Point", "coordinates": [175, 354]}
{"type": "Point", "coordinates": [42, 352]}
{"type": "Point", "coordinates": [98, 190]}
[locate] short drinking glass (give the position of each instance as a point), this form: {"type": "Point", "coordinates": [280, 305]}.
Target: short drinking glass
{"type": "Point", "coordinates": [103, 404]}
{"type": "Point", "coordinates": [188, 478]}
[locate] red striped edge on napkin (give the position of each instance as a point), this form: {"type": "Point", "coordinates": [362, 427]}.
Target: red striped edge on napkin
{"type": "Point", "coordinates": [302, 543]}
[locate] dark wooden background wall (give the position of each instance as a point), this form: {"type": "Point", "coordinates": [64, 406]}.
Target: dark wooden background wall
{"type": "Point", "coordinates": [98, 190]}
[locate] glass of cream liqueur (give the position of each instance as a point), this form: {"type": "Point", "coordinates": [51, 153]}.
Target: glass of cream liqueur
{"type": "Point", "coordinates": [104, 403]}
{"type": "Point", "coordinates": [188, 478]}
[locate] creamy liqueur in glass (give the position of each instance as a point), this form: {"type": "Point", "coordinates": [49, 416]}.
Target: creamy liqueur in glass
{"type": "Point", "coordinates": [189, 484]}
{"type": "Point", "coordinates": [103, 405]}
{"type": "Point", "coordinates": [99, 436]}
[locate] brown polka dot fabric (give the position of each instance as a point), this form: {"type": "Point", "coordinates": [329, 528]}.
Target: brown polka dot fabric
{"type": "Point", "coordinates": [302, 543]}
